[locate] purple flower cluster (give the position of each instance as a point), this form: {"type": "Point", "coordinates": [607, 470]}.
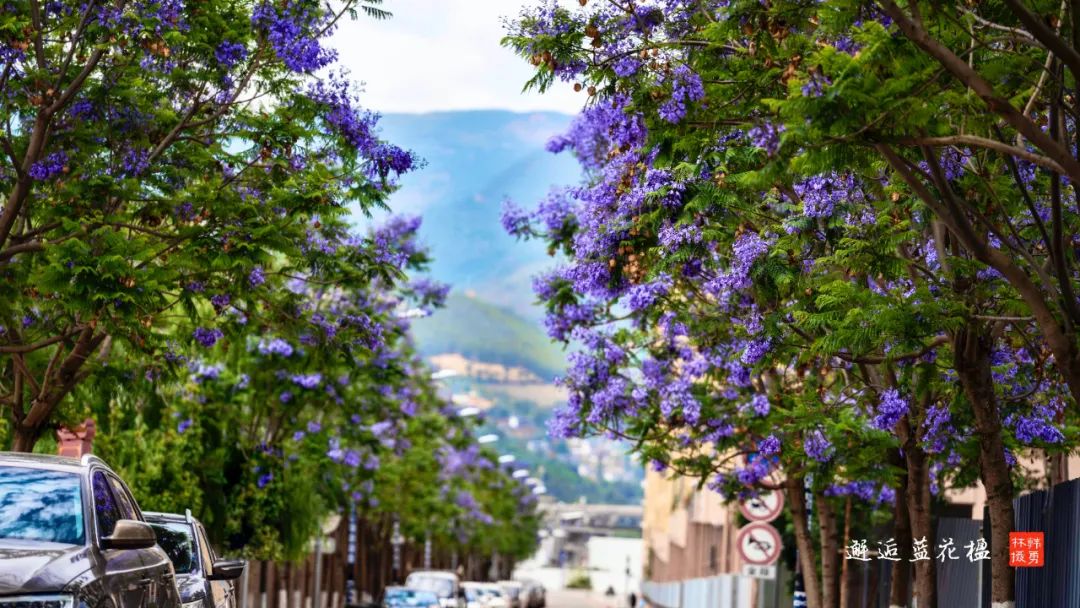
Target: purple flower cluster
{"type": "Point", "coordinates": [256, 277]}
{"type": "Point", "coordinates": [755, 350]}
{"type": "Point", "coordinates": [515, 220]}
{"type": "Point", "coordinates": [207, 337]}
{"type": "Point", "coordinates": [817, 446]}
{"type": "Point", "coordinates": [685, 87]}
{"type": "Point", "coordinates": [867, 491]}
{"type": "Point", "coordinates": [1038, 427]}
{"type": "Point", "coordinates": [644, 295]}
{"type": "Point", "coordinates": [822, 193]}
{"type": "Point", "coordinates": [50, 166]}
{"type": "Point", "coordinates": [767, 137]}
{"type": "Point", "coordinates": [429, 291]}
{"type": "Point", "coordinates": [229, 53]}
{"type": "Point", "coordinates": [291, 30]}
{"type": "Point", "coordinates": [395, 240]}
{"type": "Point", "coordinates": [308, 381]}
{"type": "Point", "coordinates": [746, 250]}
{"type": "Point", "coordinates": [769, 446]}
{"type": "Point", "coordinates": [760, 404]}
{"type": "Point", "coordinates": [134, 163]}
{"type": "Point", "coordinates": [275, 346]}
{"type": "Point", "coordinates": [891, 408]}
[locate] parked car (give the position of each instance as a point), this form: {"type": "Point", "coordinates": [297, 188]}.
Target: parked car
{"type": "Point", "coordinates": [515, 592]}
{"type": "Point", "coordinates": [204, 580]}
{"type": "Point", "coordinates": [489, 595]}
{"type": "Point", "coordinates": [474, 598]}
{"type": "Point", "coordinates": [444, 584]}
{"type": "Point", "coordinates": [534, 594]}
{"type": "Point", "coordinates": [403, 597]}
{"type": "Point", "coordinates": [72, 535]}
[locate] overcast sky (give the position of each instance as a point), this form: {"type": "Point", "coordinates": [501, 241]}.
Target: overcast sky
{"type": "Point", "coordinates": [443, 55]}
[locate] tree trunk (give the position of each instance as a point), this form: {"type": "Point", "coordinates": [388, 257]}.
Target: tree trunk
{"type": "Point", "coordinates": [918, 506]}
{"type": "Point", "coordinates": [804, 542]}
{"type": "Point", "coordinates": [845, 574]}
{"type": "Point", "coordinates": [972, 361]}
{"type": "Point", "coordinates": [25, 439]}
{"type": "Point", "coordinates": [830, 552]}
{"type": "Point", "coordinates": [900, 582]}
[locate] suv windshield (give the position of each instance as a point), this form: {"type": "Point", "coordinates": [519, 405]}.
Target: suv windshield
{"type": "Point", "coordinates": [177, 540]}
{"type": "Point", "coordinates": [41, 505]}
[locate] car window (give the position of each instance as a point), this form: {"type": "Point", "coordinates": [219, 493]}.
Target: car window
{"type": "Point", "coordinates": [205, 551]}
{"type": "Point", "coordinates": [179, 543]}
{"type": "Point", "coordinates": [124, 502]}
{"type": "Point", "coordinates": [41, 505]}
{"type": "Point", "coordinates": [106, 512]}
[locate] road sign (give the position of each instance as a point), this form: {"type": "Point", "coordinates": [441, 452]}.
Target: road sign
{"type": "Point", "coordinates": [764, 507]}
{"type": "Point", "coordinates": [762, 572]}
{"type": "Point", "coordinates": [759, 544]}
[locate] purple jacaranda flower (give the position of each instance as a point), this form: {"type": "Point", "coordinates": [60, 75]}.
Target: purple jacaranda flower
{"type": "Point", "coordinates": [207, 337]}
{"type": "Point", "coordinates": [265, 480]}
{"type": "Point", "coordinates": [256, 277]}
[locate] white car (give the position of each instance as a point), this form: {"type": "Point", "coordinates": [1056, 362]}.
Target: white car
{"type": "Point", "coordinates": [443, 583]}
{"type": "Point", "coordinates": [485, 595]}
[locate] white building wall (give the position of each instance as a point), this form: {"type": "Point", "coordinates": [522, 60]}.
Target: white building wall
{"type": "Point", "coordinates": [609, 558]}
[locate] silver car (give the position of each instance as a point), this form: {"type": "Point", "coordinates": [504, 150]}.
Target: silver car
{"type": "Point", "coordinates": [204, 580]}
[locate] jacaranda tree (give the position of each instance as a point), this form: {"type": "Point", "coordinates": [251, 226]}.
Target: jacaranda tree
{"type": "Point", "coordinates": [813, 225]}
{"type": "Point", "coordinates": [158, 155]}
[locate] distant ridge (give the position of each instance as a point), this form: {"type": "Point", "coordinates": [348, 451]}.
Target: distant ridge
{"type": "Point", "coordinates": [487, 333]}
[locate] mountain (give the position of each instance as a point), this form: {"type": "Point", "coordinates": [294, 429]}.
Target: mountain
{"type": "Point", "coordinates": [490, 330]}
{"type": "Point", "coordinates": [474, 161]}
{"type": "Point", "coordinates": [481, 331]}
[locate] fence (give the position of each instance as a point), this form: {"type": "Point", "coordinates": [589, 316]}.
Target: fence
{"type": "Point", "coordinates": [292, 585]}
{"type": "Point", "coordinates": [1056, 513]}
{"type": "Point", "coordinates": [725, 591]}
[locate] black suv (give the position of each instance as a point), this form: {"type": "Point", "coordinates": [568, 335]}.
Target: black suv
{"type": "Point", "coordinates": [203, 579]}
{"type": "Point", "coordinates": [71, 536]}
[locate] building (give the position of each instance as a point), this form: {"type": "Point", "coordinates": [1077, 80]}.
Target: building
{"type": "Point", "coordinates": [687, 533]}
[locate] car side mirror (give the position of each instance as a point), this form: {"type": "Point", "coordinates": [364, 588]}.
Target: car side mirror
{"type": "Point", "coordinates": [228, 570]}
{"type": "Point", "coordinates": [130, 534]}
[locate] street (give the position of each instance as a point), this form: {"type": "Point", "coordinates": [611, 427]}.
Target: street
{"type": "Point", "coordinates": [576, 598]}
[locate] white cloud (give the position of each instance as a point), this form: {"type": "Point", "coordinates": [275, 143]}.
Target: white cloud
{"type": "Point", "coordinates": [443, 55]}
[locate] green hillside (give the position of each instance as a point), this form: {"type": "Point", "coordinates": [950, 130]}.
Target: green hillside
{"type": "Point", "coordinates": [485, 332]}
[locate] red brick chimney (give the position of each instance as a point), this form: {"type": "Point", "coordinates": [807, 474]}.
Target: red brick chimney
{"type": "Point", "coordinates": [78, 441]}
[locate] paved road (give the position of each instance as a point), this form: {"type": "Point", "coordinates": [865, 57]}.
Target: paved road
{"type": "Point", "coordinates": [572, 598]}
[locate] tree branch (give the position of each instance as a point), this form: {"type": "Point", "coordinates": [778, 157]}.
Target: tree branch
{"type": "Point", "coordinates": [984, 142]}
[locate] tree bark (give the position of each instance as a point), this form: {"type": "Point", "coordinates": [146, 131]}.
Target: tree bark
{"type": "Point", "coordinates": [845, 574]}
{"type": "Point", "coordinates": [796, 500]}
{"type": "Point", "coordinates": [830, 552]}
{"type": "Point", "coordinates": [900, 582]}
{"type": "Point", "coordinates": [972, 361]}
{"type": "Point", "coordinates": [918, 506]}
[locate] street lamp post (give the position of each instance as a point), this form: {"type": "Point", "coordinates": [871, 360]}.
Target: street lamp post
{"type": "Point", "coordinates": [427, 551]}
{"type": "Point", "coordinates": [396, 539]}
